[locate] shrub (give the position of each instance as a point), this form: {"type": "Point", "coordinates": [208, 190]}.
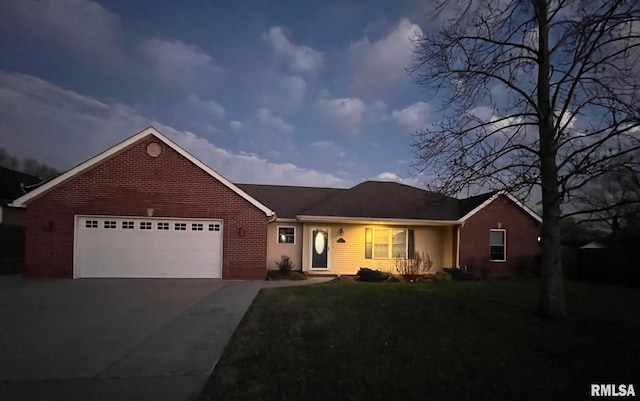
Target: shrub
{"type": "Point", "coordinates": [285, 266]}
{"type": "Point", "coordinates": [420, 263]}
{"type": "Point", "coordinates": [458, 274]}
{"type": "Point", "coordinates": [440, 276]}
{"type": "Point", "coordinates": [293, 275]}
{"type": "Point", "coordinates": [366, 274]}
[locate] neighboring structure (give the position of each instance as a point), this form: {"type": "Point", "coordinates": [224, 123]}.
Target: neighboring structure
{"type": "Point", "coordinates": [147, 208]}
{"type": "Point", "coordinates": [14, 184]}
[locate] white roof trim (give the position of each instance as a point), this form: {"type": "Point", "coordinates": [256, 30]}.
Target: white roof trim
{"type": "Point", "coordinates": [21, 201]}
{"type": "Point", "coordinates": [286, 220]}
{"type": "Point", "coordinates": [376, 220]}
{"type": "Point", "coordinates": [508, 195]}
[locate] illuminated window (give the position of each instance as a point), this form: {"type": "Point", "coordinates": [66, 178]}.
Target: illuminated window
{"type": "Point", "coordinates": [498, 245]}
{"type": "Point", "coordinates": [286, 235]}
{"type": "Point", "coordinates": [386, 243]}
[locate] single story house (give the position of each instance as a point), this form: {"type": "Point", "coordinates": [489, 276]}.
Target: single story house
{"type": "Point", "coordinates": [148, 208]}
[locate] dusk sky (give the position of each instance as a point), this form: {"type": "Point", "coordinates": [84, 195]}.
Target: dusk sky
{"type": "Point", "coordinates": [274, 92]}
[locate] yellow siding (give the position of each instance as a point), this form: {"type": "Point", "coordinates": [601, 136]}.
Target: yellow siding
{"type": "Point", "coordinates": [275, 251]}
{"type": "Point", "coordinates": [348, 257]}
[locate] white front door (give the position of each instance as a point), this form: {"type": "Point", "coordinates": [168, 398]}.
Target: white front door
{"type": "Point", "coordinates": [108, 246]}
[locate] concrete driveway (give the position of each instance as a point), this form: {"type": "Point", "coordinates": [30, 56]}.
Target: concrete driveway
{"type": "Point", "coordinates": [116, 339]}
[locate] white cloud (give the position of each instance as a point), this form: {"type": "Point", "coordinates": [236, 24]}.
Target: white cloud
{"type": "Point", "coordinates": [325, 152]}
{"type": "Point", "coordinates": [235, 125]}
{"type": "Point", "coordinates": [59, 127]}
{"type": "Point", "coordinates": [203, 115]}
{"type": "Point", "coordinates": [266, 120]}
{"type": "Point", "coordinates": [292, 89]}
{"type": "Point", "coordinates": [344, 114]}
{"type": "Point", "coordinates": [178, 63]}
{"type": "Point", "coordinates": [380, 63]}
{"type": "Point", "coordinates": [376, 112]}
{"type": "Point", "coordinates": [412, 118]}
{"type": "Point", "coordinates": [207, 108]}
{"type": "Point", "coordinates": [415, 181]}
{"type": "Point", "coordinates": [299, 58]}
{"type": "Point", "coordinates": [281, 93]}
{"type": "Point", "coordinates": [83, 27]}
{"type": "Point", "coordinates": [62, 128]}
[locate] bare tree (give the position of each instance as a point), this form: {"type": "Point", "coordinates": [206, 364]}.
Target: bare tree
{"type": "Point", "coordinates": [29, 166]}
{"type": "Point", "coordinates": [612, 201]}
{"type": "Point", "coordinates": [534, 93]}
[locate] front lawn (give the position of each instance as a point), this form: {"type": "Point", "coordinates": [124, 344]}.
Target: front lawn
{"type": "Point", "coordinates": [428, 341]}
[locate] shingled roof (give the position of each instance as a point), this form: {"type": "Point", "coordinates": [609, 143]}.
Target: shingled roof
{"type": "Point", "coordinates": [14, 184]}
{"type": "Point", "coordinates": [288, 201]}
{"type": "Point", "coordinates": [468, 204]}
{"type": "Point", "coordinates": [370, 199]}
{"type": "Point", "coordinates": [374, 199]}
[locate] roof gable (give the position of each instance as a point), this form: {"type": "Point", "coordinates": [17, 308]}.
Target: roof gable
{"type": "Point", "coordinates": [79, 169]}
{"type": "Point", "coordinates": [477, 203]}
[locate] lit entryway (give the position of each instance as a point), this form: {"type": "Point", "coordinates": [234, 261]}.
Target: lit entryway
{"type": "Point", "coordinates": [147, 247]}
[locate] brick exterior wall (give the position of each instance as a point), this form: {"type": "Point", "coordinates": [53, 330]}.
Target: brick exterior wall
{"type": "Point", "coordinates": [522, 232]}
{"type": "Point", "coordinates": [127, 184]}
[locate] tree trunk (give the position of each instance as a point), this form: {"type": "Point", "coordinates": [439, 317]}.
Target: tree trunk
{"type": "Point", "coordinates": [551, 301]}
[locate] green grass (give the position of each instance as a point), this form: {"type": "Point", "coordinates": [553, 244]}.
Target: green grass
{"type": "Point", "coordinates": [428, 341]}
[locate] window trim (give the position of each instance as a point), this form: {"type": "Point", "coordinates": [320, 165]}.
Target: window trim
{"type": "Point", "coordinates": [278, 235]}
{"type": "Point", "coordinates": [371, 243]}
{"type": "Point", "coordinates": [504, 245]}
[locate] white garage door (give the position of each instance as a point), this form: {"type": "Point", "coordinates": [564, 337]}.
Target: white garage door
{"type": "Point", "coordinates": [147, 247]}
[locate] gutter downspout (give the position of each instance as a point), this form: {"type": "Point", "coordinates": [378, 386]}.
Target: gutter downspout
{"type": "Point", "coordinates": [458, 245]}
